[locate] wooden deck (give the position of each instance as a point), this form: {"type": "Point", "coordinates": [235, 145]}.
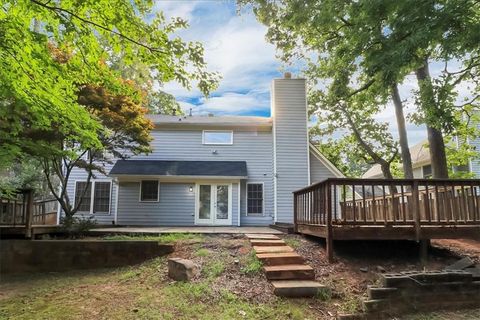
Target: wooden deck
{"type": "Point", "coordinates": [380, 209]}
{"type": "Point", "coordinates": [22, 214]}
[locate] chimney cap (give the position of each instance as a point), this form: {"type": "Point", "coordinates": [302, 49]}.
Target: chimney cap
{"type": "Point", "coordinates": [287, 75]}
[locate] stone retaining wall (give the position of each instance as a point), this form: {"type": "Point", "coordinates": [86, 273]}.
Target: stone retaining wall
{"type": "Point", "coordinates": [19, 256]}
{"type": "Point", "coordinates": [422, 291]}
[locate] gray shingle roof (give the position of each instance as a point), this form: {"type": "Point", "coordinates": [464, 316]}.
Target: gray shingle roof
{"type": "Point", "coordinates": [213, 121]}
{"type": "Point", "coordinates": [180, 168]}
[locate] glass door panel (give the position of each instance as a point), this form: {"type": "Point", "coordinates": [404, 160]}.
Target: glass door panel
{"type": "Point", "coordinates": [205, 203]}
{"type": "Point", "coordinates": [222, 203]}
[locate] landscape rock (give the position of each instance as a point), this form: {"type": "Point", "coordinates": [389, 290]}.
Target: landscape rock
{"type": "Point", "coordinates": [364, 269]}
{"type": "Point", "coordinates": [181, 269]}
{"type": "Point", "coordinates": [381, 269]}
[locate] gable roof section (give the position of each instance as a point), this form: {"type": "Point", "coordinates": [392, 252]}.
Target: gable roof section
{"type": "Point", "coordinates": [180, 168]}
{"type": "Point", "coordinates": [330, 166]}
{"type": "Point", "coordinates": [420, 156]}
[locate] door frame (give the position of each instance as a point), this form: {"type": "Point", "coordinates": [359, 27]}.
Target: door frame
{"type": "Point", "coordinates": [213, 184]}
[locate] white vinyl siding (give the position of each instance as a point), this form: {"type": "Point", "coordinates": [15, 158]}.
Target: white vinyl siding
{"type": "Point", "coordinates": [291, 143]}
{"type": "Point", "coordinates": [318, 171]}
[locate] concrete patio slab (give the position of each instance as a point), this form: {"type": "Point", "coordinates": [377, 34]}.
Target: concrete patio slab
{"type": "Point", "coordinates": [206, 230]}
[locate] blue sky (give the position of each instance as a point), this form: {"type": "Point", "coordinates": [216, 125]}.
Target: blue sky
{"type": "Point", "coordinates": [235, 46]}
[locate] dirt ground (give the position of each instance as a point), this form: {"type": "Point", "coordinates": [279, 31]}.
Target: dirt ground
{"type": "Point", "coordinates": [230, 285]}
{"type": "Point", "coordinates": [461, 247]}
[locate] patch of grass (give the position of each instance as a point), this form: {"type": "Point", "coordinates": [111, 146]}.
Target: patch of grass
{"type": "Point", "coordinates": [351, 304]}
{"type": "Point", "coordinates": [213, 269]}
{"type": "Point", "coordinates": [252, 264]}
{"type": "Point", "coordinates": [292, 242]}
{"type": "Point", "coordinates": [188, 290]}
{"type": "Point", "coordinates": [162, 238]}
{"type": "Point", "coordinates": [202, 252]}
{"type": "Point", "coordinates": [324, 294]}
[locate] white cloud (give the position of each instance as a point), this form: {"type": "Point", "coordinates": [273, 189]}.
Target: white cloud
{"type": "Point", "coordinates": [235, 103]}
{"type": "Point", "coordinates": [235, 47]}
{"type": "Point", "coordinates": [173, 9]}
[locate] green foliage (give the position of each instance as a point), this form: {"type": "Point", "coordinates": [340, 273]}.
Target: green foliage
{"type": "Point", "coordinates": [24, 174]}
{"type": "Point", "coordinates": [252, 264]}
{"type": "Point", "coordinates": [353, 48]}
{"type": "Point", "coordinates": [335, 150]}
{"type": "Point", "coordinates": [292, 242]}
{"type": "Point", "coordinates": [77, 83]}
{"type": "Point", "coordinates": [213, 268]}
{"type": "Point", "coordinates": [77, 227]}
{"type": "Point", "coordinates": [202, 252]}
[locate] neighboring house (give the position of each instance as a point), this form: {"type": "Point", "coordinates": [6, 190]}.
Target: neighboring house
{"type": "Point", "coordinates": [212, 170]}
{"type": "Point", "coordinates": [422, 164]}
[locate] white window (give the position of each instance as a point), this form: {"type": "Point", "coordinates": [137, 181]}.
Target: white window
{"type": "Point", "coordinates": [149, 191]}
{"type": "Point", "coordinates": [95, 196]}
{"type": "Point", "coordinates": [217, 137]}
{"type": "Point", "coordinates": [254, 198]}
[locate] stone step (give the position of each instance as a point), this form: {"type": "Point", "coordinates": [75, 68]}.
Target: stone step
{"type": "Point", "coordinates": [262, 249]}
{"type": "Point", "coordinates": [297, 288]}
{"type": "Point", "coordinates": [267, 243]}
{"type": "Point", "coordinates": [375, 293]}
{"type": "Point", "coordinates": [289, 272]}
{"type": "Point", "coordinates": [280, 258]}
{"type": "Point", "coordinates": [261, 236]}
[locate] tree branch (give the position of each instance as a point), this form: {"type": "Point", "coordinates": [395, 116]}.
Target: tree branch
{"type": "Point", "coordinates": [58, 9]}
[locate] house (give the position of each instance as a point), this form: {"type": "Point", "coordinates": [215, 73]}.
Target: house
{"type": "Point", "coordinates": [422, 163]}
{"type": "Point", "coordinates": [212, 170]}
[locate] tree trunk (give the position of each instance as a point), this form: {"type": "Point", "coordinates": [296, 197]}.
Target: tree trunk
{"type": "Point", "coordinates": [385, 166]}
{"type": "Point", "coordinates": [435, 136]}
{"type": "Point", "coordinates": [402, 132]}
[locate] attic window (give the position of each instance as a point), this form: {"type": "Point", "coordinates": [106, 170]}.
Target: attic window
{"type": "Point", "coordinates": [217, 137]}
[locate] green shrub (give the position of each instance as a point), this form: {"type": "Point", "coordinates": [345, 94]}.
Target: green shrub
{"type": "Point", "coordinates": [77, 227]}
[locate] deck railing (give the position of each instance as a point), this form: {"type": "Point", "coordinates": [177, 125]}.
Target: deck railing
{"type": "Point", "coordinates": [14, 212]}
{"type": "Point", "coordinates": [413, 205]}
{"type": "Point", "coordinates": [388, 202]}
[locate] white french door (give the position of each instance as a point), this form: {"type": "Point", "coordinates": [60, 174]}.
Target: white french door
{"type": "Point", "coordinates": [214, 204]}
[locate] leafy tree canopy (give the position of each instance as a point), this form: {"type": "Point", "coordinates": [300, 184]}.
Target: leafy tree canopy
{"type": "Point", "coordinates": [51, 51]}
{"type": "Point", "coordinates": [381, 42]}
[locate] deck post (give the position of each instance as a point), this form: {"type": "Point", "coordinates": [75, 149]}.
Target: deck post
{"type": "Point", "coordinates": [28, 214]}
{"type": "Point", "coordinates": [295, 209]}
{"type": "Point", "coordinates": [329, 238]}
{"type": "Point", "coordinates": [424, 245]}
{"type": "Point", "coordinates": [416, 211]}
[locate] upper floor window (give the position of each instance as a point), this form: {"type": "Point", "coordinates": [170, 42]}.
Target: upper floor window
{"type": "Point", "coordinates": [217, 137]}
{"type": "Point", "coordinates": [427, 171]}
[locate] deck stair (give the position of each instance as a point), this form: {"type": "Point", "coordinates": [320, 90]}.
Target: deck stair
{"type": "Point", "coordinates": [286, 269]}
{"type": "Point", "coordinates": [267, 243]}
